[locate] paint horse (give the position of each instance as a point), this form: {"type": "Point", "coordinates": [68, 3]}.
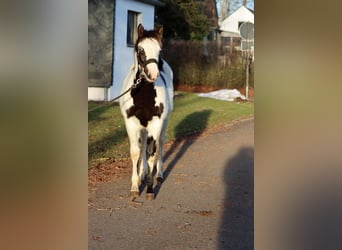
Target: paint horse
{"type": "Point", "coordinates": [146, 109]}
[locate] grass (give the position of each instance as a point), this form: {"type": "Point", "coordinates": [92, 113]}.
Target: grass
{"type": "Point", "coordinates": [107, 136]}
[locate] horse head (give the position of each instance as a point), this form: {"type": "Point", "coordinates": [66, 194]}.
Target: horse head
{"type": "Point", "coordinates": [147, 49]}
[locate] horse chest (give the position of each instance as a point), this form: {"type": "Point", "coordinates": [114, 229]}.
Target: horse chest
{"type": "Point", "coordinates": [144, 104]}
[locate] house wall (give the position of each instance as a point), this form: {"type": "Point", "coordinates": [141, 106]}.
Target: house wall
{"type": "Point", "coordinates": [100, 41]}
{"type": "Point", "coordinates": [123, 54]}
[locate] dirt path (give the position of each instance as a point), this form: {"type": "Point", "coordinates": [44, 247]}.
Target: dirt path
{"type": "Point", "coordinates": [205, 202]}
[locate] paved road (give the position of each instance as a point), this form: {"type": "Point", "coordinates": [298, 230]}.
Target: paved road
{"type": "Point", "coordinates": [205, 202]}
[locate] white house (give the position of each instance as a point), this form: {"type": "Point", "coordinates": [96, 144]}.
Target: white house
{"type": "Point", "coordinates": [127, 15]}
{"type": "Point", "coordinates": [230, 26]}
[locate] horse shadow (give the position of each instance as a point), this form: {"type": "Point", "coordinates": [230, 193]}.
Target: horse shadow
{"type": "Point", "coordinates": [182, 143]}
{"type": "Point", "coordinates": [236, 229]}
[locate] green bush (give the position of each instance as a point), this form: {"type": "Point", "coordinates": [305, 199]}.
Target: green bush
{"type": "Point", "coordinates": [198, 63]}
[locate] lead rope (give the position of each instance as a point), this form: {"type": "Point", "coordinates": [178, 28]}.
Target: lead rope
{"type": "Point", "coordinates": [134, 85]}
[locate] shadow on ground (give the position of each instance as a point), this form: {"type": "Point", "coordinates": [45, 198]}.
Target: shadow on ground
{"type": "Point", "coordinates": [236, 229]}
{"type": "Point", "coordinates": [310, 214]}
{"type": "Point", "coordinates": [96, 109]}
{"type": "Point", "coordinates": [182, 143]}
{"type": "Point", "coordinates": [99, 147]}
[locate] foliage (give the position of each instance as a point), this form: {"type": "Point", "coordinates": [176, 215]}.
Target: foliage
{"type": "Point", "coordinates": [207, 64]}
{"type": "Point", "coordinates": [107, 136]}
{"type": "Point", "coordinates": [183, 19]}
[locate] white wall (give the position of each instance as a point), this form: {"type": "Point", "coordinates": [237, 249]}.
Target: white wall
{"type": "Point", "coordinates": [97, 94]}
{"type": "Point", "coordinates": [123, 54]}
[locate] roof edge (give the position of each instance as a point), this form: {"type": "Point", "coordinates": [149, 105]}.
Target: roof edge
{"type": "Point", "coordinates": [99, 85]}
{"type": "Point", "coordinates": [153, 2]}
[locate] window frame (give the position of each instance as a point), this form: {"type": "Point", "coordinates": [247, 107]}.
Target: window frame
{"type": "Point", "coordinates": [133, 19]}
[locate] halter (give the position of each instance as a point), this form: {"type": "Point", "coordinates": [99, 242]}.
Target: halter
{"type": "Point", "coordinates": [142, 63]}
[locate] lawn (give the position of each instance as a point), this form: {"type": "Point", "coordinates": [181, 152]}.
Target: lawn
{"type": "Point", "coordinates": [107, 138]}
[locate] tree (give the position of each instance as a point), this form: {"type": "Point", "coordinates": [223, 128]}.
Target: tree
{"type": "Point", "coordinates": [224, 8]}
{"type": "Point", "coordinates": [183, 19]}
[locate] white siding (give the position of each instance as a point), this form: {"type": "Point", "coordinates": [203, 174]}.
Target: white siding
{"type": "Point", "coordinates": [231, 23]}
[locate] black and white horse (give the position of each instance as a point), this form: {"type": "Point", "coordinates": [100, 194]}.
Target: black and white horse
{"type": "Point", "coordinates": [146, 108]}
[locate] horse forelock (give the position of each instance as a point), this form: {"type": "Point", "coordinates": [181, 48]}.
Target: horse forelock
{"type": "Point", "coordinates": [149, 34]}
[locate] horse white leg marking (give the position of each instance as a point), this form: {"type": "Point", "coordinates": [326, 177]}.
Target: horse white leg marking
{"type": "Point", "coordinates": [135, 152]}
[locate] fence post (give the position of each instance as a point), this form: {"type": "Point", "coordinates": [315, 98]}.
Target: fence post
{"type": "Point", "coordinates": [247, 73]}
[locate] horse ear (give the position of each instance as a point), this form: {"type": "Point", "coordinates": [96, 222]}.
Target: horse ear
{"type": "Point", "coordinates": [140, 30]}
{"type": "Point", "coordinates": [160, 30]}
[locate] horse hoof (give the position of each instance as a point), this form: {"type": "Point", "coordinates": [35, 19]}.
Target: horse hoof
{"type": "Point", "coordinates": [134, 194]}
{"type": "Point", "coordinates": [160, 179]}
{"type": "Point", "coordinates": [150, 196]}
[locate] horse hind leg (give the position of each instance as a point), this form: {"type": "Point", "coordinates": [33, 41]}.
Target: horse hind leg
{"type": "Point", "coordinates": [160, 152]}
{"type": "Point", "coordinates": [151, 154]}
{"type": "Point", "coordinates": [149, 183]}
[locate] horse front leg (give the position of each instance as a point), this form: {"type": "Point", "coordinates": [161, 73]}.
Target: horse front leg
{"type": "Point", "coordinates": [135, 155]}
{"type": "Point", "coordinates": [139, 164]}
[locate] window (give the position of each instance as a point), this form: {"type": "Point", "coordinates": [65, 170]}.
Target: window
{"type": "Point", "coordinates": [132, 25]}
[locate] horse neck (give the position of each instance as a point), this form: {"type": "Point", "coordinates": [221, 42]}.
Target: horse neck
{"type": "Point", "coordinates": [133, 71]}
{"type": "Point", "coordinates": [135, 61]}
